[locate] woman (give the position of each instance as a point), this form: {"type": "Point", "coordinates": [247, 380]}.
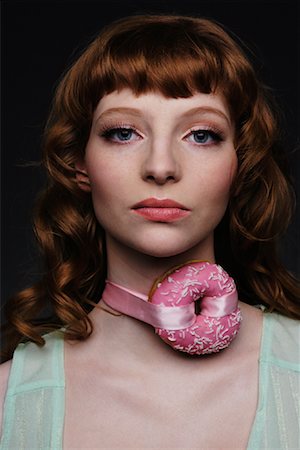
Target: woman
{"type": "Point", "coordinates": [161, 150]}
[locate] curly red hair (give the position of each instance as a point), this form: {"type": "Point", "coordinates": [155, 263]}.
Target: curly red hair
{"type": "Point", "coordinates": [176, 56]}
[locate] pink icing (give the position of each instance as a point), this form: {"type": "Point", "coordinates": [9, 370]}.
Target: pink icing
{"type": "Point", "coordinates": [219, 320]}
{"type": "Point", "coordinates": [170, 307]}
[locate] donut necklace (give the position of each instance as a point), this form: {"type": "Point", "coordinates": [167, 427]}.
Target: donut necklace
{"type": "Point", "coordinates": [170, 307]}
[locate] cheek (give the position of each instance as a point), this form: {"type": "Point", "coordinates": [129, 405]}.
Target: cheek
{"type": "Point", "coordinates": [226, 173]}
{"type": "Point", "coordinates": [100, 180]}
{"type": "Point", "coordinates": [109, 184]}
{"type": "Point", "coordinates": [233, 167]}
{"type": "Point", "coordinates": [224, 179]}
{"type": "Point", "coordinates": [217, 177]}
{"type": "Point", "coordinates": [103, 190]}
{"type": "Point", "coordinates": [102, 173]}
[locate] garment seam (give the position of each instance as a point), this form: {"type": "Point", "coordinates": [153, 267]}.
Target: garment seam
{"type": "Point", "coordinates": [257, 426]}
{"type": "Point", "coordinates": [27, 388]}
{"type": "Point", "coordinates": [281, 363]}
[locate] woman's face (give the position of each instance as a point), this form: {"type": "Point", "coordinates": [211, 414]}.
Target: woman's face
{"type": "Point", "coordinates": [159, 151]}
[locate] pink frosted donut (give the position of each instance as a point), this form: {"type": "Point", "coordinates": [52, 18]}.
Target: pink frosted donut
{"type": "Point", "coordinates": [219, 320]}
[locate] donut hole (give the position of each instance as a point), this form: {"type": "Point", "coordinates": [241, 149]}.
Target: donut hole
{"type": "Point", "coordinates": [197, 306]}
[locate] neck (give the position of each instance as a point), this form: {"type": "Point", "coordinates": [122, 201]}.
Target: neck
{"type": "Point", "coordinates": [138, 271]}
{"type": "Point", "coordinates": [124, 339]}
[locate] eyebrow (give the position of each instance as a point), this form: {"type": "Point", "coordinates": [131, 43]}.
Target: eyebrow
{"type": "Point", "coordinates": [207, 110]}
{"type": "Point", "coordinates": [136, 112]}
{"type": "Point", "coordinates": [112, 111]}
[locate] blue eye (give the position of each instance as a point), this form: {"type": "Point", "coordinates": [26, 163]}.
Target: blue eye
{"type": "Point", "coordinates": [201, 136]}
{"type": "Point", "coordinates": [120, 134]}
{"type": "Point", "coordinates": [204, 137]}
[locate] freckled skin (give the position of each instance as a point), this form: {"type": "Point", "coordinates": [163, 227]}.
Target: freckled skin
{"type": "Point", "coordinates": [140, 390]}
{"type": "Point", "coordinates": [162, 160]}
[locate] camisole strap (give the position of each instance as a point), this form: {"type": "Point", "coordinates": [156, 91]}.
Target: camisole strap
{"type": "Point", "coordinates": [276, 424]}
{"type": "Point", "coordinates": [34, 404]}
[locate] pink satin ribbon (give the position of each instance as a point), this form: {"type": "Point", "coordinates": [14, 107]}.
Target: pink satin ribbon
{"type": "Point", "coordinates": [219, 306]}
{"type": "Point", "coordinates": [159, 316]}
{"type": "Point", "coordinates": [134, 304]}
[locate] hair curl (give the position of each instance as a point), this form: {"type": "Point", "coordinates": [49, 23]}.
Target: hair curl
{"type": "Point", "coordinates": [176, 56]}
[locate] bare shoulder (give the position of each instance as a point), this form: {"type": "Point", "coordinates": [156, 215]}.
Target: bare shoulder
{"type": "Point", "coordinates": [4, 374]}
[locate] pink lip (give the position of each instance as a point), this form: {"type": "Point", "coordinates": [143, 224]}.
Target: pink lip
{"type": "Point", "coordinates": [159, 203]}
{"type": "Point", "coordinates": [164, 210]}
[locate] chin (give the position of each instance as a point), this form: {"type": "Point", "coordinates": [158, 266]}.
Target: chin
{"type": "Point", "coordinates": [163, 253]}
{"type": "Point", "coordinates": [168, 249]}
{"type": "Point", "coordinates": [165, 243]}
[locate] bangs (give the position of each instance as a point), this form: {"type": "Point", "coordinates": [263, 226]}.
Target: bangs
{"type": "Point", "coordinates": [175, 56]}
{"type": "Point", "coordinates": [160, 58]}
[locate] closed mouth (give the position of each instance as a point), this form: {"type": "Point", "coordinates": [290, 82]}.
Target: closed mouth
{"type": "Point", "coordinates": [160, 210]}
{"type": "Point", "coordinates": [159, 203]}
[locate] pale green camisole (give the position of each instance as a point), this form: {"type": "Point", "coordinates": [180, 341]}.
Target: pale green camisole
{"type": "Point", "coordinates": [34, 405]}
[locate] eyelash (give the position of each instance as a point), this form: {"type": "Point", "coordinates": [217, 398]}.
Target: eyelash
{"type": "Point", "coordinates": [215, 134]}
{"type": "Point", "coordinates": [107, 133]}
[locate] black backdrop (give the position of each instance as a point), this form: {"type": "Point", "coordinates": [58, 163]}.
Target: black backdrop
{"type": "Point", "coordinates": [40, 39]}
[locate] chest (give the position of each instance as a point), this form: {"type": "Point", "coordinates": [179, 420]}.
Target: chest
{"type": "Point", "coordinates": [163, 410]}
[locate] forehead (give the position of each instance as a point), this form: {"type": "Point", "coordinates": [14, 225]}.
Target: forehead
{"type": "Point", "coordinates": [153, 103]}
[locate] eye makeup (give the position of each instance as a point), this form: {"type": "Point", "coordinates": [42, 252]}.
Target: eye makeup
{"type": "Point", "coordinates": [205, 135]}
{"type": "Point", "coordinates": [119, 133]}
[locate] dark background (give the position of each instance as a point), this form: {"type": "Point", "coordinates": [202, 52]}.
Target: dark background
{"type": "Point", "coordinates": [39, 41]}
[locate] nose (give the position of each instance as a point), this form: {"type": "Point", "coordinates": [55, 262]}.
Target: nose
{"type": "Point", "coordinates": [161, 164]}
